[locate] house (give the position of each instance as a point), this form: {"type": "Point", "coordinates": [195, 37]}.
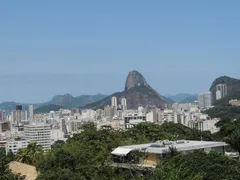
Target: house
{"type": "Point", "coordinates": [150, 155]}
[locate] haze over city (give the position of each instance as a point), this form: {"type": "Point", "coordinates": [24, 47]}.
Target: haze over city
{"type": "Point", "coordinates": [57, 47]}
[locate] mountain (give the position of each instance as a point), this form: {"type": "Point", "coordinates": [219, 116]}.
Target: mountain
{"type": "Point", "coordinates": [178, 98]}
{"type": "Point", "coordinates": [190, 99]}
{"type": "Point", "coordinates": [137, 92]}
{"type": "Point", "coordinates": [168, 100]}
{"type": "Point", "coordinates": [68, 101]}
{"type": "Point", "coordinates": [47, 108]}
{"type": "Point", "coordinates": [10, 106]}
{"type": "Point", "coordinates": [233, 89]}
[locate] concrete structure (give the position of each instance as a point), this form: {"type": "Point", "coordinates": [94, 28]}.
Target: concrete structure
{"type": "Point", "coordinates": [3, 144]}
{"type": "Point", "coordinates": [205, 100]}
{"type": "Point", "coordinates": [5, 126]}
{"type": "Point", "coordinates": [18, 115]}
{"type": "Point", "coordinates": [114, 102]}
{"type": "Point", "coordinates": [234, 102]}
{"type": "Point", "coordinates": [109, 111]}
{"type": "Point", "coordinates": [15, 145]}
{"type": "Point", "coordinates": [204, 125]}
{"type": "Point", "coordinates": [40, 133]}
{"type": "Point", "coordinates": [31, 112]}
{"type": "Point", "coordinates": [56, 134]}
{"type": "Point", "coordinates": [124, 104]}
{"type": "Point", "coordinates": [221, 91]}
{"type": "Point", "coordinates": [133, 119]}
{"type": "Point", "coordinates": [218, 95]}
{"type": "Point", "coordinates": [3, 116]}
{"type": "Point", "coordinates": [152, 153]}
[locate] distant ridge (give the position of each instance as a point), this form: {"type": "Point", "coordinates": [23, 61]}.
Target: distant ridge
{"type": "Point", "coordinates": [59, 101]}
{"type": "Point", "coordinates": [47, 108]}
{"type": "Point", "coordinates": [181, 97]}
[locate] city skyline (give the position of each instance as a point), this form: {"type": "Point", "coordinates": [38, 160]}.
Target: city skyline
{"type": "Point", "coordinates": [51, 48]}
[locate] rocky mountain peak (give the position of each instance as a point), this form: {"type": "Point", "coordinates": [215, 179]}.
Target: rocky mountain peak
{"type": "Point", "coordinates": [135, 79]}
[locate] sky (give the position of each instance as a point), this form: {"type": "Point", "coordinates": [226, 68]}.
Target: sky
{"type": "Point", "coordinates": [88, 47]}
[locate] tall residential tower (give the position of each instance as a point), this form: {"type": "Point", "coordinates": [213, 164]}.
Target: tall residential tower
{"type": "Point", "coordinates": [114, 102]}
{"type": "Point", "coordinates": [205, 100]}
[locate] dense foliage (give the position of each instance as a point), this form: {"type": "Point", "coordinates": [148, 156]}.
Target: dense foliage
{"type": "Point", "coordinates": [223, 112]}
{"type": "Point", "coordinates": [198, 166]}
{"type": "Point", "coordinates": [30, 155]}
{"type": "Point", "coordinates": [85, 156]}
{"type": "Point", "coordinates": [5, 172]}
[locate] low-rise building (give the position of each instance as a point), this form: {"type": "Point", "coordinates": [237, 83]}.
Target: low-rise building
{"type": "Point", "coordinates": [15, 145]}
{"type": "Point", "coordinates": [151, 154]}
{"type": "Point", "coordinates": [234, 102]}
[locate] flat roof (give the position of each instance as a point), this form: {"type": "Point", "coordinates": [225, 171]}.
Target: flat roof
{"type": "Point", "coordinates": [185, 145]}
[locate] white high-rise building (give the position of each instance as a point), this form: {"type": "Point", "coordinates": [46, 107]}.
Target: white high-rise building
{"type": "Point", "coordinates": [31, 112]}
{"type": "Point", "coordinates": [218, 95]}
{"type": "Point", "coordinates": [114, 102]}
{"type": "Point", "coordinates": [40, 133]}
{"type": "Point", "coordinates": [223, 90]}
{"type": "Point", "coordinates": [124, 104]}
{"type": "Point", "coordinates": [205, 100]}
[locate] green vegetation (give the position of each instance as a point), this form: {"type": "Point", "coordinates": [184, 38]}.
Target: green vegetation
{"type": "Point", "coordinates": [224, 112]}
{"type": "Point", "coordinates": [86, 155]}
{"type": "Point", "coordinates": [198, 166]}
{"type": "Point", "coordinates": [30, 155]}
{"type": "Point", "coordinates": [5, 172]}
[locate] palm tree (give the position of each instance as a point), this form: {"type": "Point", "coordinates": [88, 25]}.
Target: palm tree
{"type": "Point", "coordinates": [30, 155]}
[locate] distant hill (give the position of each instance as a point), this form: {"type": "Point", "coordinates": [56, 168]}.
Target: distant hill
{"type": "Point", "coordinates": [10, 106]}
{"type": "Point", "coordinates": [66, 101]}
{"type": "Point", "coordinates": [168, 100]}
{"type": "Point", "coordinates": [233, 89]}
{"type": "Point", "coordinates": [136, 91]}
{"type": "Point", "coordinates": [190, 99]}
{"type": "Point", "coordinates": [178, 98]}
{"type": "Point", "coordinates": [47, 108]}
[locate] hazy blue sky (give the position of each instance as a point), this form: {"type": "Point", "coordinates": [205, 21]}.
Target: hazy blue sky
{"type": "Point", "coordinates": [87, 47]}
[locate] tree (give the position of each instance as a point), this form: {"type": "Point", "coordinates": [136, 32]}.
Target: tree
{"type": "Point", "coordinates": [5, 172]}
{"type": "Point", "coordinates": [30, 155]}
{"type": "Point", "coordinates": [234, 139]}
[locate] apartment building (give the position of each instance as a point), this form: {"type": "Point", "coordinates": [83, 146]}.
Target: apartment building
{"type": "Point", "coordinates": [40, 133]}
{"type": "Point", "coordinates": [15, 145]}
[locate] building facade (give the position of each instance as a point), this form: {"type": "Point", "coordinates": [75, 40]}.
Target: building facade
{"type": "Point", "coordinates": [221, 91]}
{"type": "Point", "coordinates": [114, 102]}
{"type": "Point", "coordinates": [15, 145]}
{"type": "Point", "coordinates": [31, 112]}
{"type": "Point", "coordinates": [3, 116]}
{"type": "Point", "coordinates": [40, 133]}
{"type": "Point", "coordinates": [124, 104]}
{"type": "Point", "coordinates": [205, 100]}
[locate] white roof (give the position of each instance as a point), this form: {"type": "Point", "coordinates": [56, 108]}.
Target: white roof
{"type": "Point", "coordinates": [186, 146]}
{"type": "Point", "coordinates": [120, 151]}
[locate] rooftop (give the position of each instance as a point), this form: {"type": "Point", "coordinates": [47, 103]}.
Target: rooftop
{"type": "Point", "coordinates": [161, 147]}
